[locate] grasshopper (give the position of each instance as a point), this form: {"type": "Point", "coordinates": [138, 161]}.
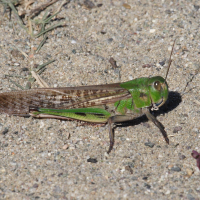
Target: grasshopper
{"type": "Point", "coordinates": [110, 103]}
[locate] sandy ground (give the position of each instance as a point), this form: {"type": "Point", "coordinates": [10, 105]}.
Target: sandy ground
{"type": "Point", "coordinates": [48, 158]}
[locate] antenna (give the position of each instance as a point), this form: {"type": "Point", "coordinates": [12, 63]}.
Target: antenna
{"type": "Point", "coordinates": [170, 60]}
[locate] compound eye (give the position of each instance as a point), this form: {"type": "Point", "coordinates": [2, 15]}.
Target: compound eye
{"type": "Point", "coordinates": [157, 85]}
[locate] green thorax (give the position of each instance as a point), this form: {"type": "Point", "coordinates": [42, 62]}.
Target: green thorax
{"type": "Point", "coordinates": [145, 92]}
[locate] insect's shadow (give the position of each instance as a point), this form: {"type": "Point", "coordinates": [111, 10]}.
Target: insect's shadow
{"type": "Point", "coordinates": [174, 99]}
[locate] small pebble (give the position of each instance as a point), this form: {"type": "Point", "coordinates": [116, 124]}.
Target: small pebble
{"type": "Point", "coordinates": [146, 66]}
{"type": "Point", "coordinates": [128, 168]}
{"type": "Point", "coordinates": [152, 30]}
{"type": "Point", "coordinates": [149, 144]}
{"type": "Point", "coordinates": [170, 48]}
{"type": "Point", "coordinates": [167, 192]}
{"type": "Point", "coordinates": [145, 178]}
{"type": "Point", "coordinates": [66, 146]}
{"type": "Point", "coordinates": [168, 12]}
{"type": "Point", "coordinates": [146, 124]}
{"type": "Point", "coordinates": [74, 51]}
{"type": "Point", "coordinates": [73, 41]}
{"type": "Point", "coordinates": [121, 45]}
{"type": "Point", "coordinates": [106, 155]}
{"type": "Point", "coordinates": [130, 77]}
{"type": "Point", "coordinates": [99, 5]}
{"type": "Point", "coordinates": [127, 6]}
{"type": "Point", "coordinates": [87, 4]}
{"type": "Point", "coordinates": [109, 40]}
{"type": "Point", "coordinates": [4, 131]}
{"type": "Point", "coordinates": [35, 185]}
{"type": "Point", "coordinates": [147, 186]}
{"type": "Point", "coordinates": [17, 54]}
{"type": "Point", "coordinates": [181, 156]}
{"type": "Point", "coordinates": [177, 129]}
{"type": "Point", "coordinates": [189, 171]}
{"type": "Point", "coordinates": [92, 160]}
{"type": "Point", "coordinates": [162, 63]}
{"type": "Point", "coordinates": [175, 169]}
{"type": "Point", "coordinates": [196, 7]}
{"type": "Point", "coordinates": [25, 69]}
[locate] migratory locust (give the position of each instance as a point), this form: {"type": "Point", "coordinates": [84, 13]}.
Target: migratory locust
{"type": "Point", "coordinates": [110, 103]}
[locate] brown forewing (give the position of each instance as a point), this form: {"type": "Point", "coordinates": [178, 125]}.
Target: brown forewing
{"type": "Point", "coordinates": [18, 102]}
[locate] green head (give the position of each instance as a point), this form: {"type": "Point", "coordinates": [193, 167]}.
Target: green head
{"type": "Point", "coordinates": [158, 87]}
{"type": "Point", "coordinates": [158, 90]}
